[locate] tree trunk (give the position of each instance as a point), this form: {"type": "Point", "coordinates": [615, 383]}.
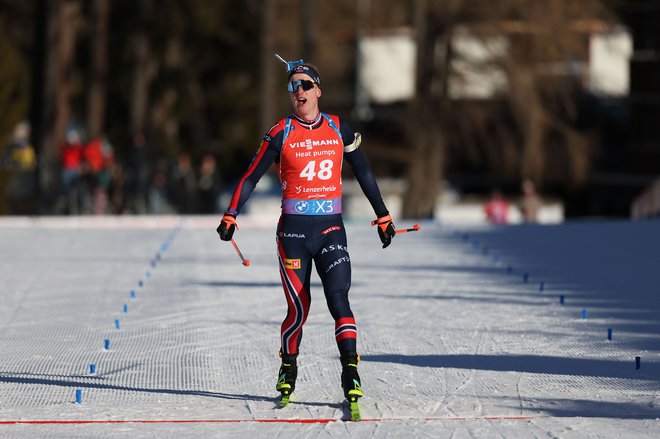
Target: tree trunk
{"type": "Point", "coordinates": [60, 37]}
{"type": "Point", "coordinates": [96, 97]}
{"type": "Point", "coordinates": [268, 66]}
{"type": "Point", "coordinates": [145, 69]}
{"type": "Point", "coordinates": [424, 132]}
{"type": "Point", "coordinates": [308, 9]}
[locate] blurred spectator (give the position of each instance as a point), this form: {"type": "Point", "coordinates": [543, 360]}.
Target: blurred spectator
{"type": "Point", "coordinates": [157, 198]}
{"type": "Point", "coordinates": [117, 189]}
{"type": "Point", "coordinates": [183, 184]}
{"type": "Point", "coordinates": [530, 203]}
{"type": "Point", "coordinates": [209, 185]}
{"type": "Point", "coordinates": [99, 156]}
{"type": "Point", "coordinates": [72, 168]}
{"type": "Point", "coordinates": [497, 209]}
{"type": "Point", "coordinates": [21, 160]}
{"type": "Point", "coordinates": [138, 175]}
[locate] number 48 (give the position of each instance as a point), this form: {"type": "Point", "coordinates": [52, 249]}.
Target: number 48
{"type": "Point", "coordinates": [324, 173]}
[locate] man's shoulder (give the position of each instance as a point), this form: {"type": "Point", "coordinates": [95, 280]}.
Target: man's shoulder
{"type": "Point", "coordinates": [276, 130]}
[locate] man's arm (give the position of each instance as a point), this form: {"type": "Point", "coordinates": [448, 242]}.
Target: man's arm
{"type": "Point", "coordinates": [265, 156]}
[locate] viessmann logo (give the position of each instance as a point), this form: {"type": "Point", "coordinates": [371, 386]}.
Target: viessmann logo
{"type": "Point", "coordinates": [309, 143]}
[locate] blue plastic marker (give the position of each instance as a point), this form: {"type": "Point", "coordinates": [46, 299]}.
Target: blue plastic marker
{"type": "Point", "coordinates": [609, 334]}
{"type": "Point", "coordinates": [132, 294]}
{"type": "Point", "coordinates": [509, 269]}
{"type": "Point", "coordinates": [561, 299]}
{"type": "Point", "coordinates": [106, 344]}
{"type": "Point", "coordinates": [638, 362]}
{"type": "Point", "coordinates": [125, 308]}
{"type": "Point", "coordinates": [78, 395]}
{"type": "Point", "coordinates": [542, 286]}
{"type": "Point", "coordinates": [140, 283]}
{"type": "Point", "coordinates": [525, 277]}
{"type": "Point", "coordinates": [584, 313]}
{"type": "Point", "coordinates": [92, 369]}
{"type": "Point", "coordinates": [117, 323]}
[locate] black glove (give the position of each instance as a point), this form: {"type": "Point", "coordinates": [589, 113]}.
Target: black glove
{"type": "Point", "coordinates": [386, 229]}
{"type": "Point", "coordinates": [227, 226]}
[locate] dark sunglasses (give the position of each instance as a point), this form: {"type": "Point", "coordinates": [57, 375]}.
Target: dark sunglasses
{"type": "Point", "coordinates": [306, 85]}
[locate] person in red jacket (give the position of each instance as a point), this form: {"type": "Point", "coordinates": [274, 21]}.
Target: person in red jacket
{"type": "Point", "coordinates": [309, 148]}
{"type": "Point", "coordinates": [497, 209]}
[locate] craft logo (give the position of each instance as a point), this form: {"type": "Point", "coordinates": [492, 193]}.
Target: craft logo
{"type": "Point", "coordinates": [292, 264]}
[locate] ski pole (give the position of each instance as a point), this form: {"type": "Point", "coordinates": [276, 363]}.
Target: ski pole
{"type": "Point", "coordinates": [246, 262]}
{"type": "Point", "coordinates": [414, 228]}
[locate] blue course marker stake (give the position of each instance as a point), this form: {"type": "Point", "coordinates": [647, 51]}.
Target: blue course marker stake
{"type": "Point", "coordinates": [525, 277]}
{"type": "Point", "coordinates": [509, 269]}
{"type": "Point", "coordinates": [117, 323]}
{"type": "Point", "coordinates": [92, 369]}
{"type": "Point", "coordinates": [140, 283]}
{"type": "Point", "coordinates": [561, 299]}
{"type": "Point", "coordinates": [609, 334]}
{"type": "Point", "coordinates": [106, 344]}
{"type": "Point", "coordinates": [638, 362]}
{"type": "Point", "coordinates": [132, 294]}
{"type": "Point", "coordinates": [125, 308]}
{"type": "Point", "coordinates": [542, 286]}
{"type": "Point", "coordinates": [78, 395]}
{"type": "Point", "coordinates": [584, 313]}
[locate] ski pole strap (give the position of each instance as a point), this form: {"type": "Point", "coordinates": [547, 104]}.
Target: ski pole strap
{"type": "Point", "coordinates": [230, 218]}
{"type": "Point", "coordinates": [382, 222]}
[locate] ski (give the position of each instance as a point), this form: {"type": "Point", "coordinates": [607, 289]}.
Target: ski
{"type": "Point", "coordinates": [284, 400]}
{"type": "Point", "coordinates": [355, 409]}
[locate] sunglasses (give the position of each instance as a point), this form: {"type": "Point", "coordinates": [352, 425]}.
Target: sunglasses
{"type": "Point", "coordinates": [306, 85]}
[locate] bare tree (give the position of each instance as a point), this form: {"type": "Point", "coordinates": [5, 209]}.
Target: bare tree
{"type": "Point", "coordinates": [96, 96]}
{"type": "Point", "coordinates": [145, 68]}
{"type": "Point", "coordinates": [267, 65]}
{"type": "Point", "coordinates": [528, 130]}
{"type": "Point", "coordinates": [62, 22]}
{"type": "Point", "coordinates": [424, 125]}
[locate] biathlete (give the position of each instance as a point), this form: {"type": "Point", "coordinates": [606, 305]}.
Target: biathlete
{"type": "Point", "coordinates": [308, 148]}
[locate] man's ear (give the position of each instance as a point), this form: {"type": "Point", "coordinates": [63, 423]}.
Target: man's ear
{"type": "Point", "coordinates": [319, 92]}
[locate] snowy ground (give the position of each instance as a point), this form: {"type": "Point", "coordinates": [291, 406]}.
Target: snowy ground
{"type": "Point", "coordinates": [454, 342]}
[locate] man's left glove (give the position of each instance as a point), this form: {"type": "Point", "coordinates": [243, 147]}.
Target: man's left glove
{"type": "Point", "coordinates": [386, 229]}
{"type": "Point", "coordinates": [227, 226]}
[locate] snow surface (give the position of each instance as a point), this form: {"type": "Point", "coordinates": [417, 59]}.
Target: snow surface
{"type": "Point", "coordinates": [454, 342]}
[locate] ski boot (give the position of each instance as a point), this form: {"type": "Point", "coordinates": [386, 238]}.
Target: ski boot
{"type": "Point", "coordinates": [286, 381]}
{"type": "Point", "coordinates": [350, 382]}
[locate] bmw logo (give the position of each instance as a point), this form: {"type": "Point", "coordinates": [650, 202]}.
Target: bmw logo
{"type": "Point", "coordinates": [302, 206]}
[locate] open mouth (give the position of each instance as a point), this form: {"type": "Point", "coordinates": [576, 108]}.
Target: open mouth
{"type": "Point", "coordinates": [301, 100]}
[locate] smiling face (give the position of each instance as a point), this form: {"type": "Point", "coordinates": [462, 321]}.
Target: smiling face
{"type": "Point", "coordinates": [305, 103]}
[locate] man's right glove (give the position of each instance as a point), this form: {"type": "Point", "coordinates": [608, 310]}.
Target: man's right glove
{"type": "Point", "coordinates": [227, 226]}
{"type": "Point", "coordinates": [385, 229]}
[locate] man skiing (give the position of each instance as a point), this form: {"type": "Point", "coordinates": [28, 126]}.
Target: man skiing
{"type": "Point", "coordinates": [308, 148]}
